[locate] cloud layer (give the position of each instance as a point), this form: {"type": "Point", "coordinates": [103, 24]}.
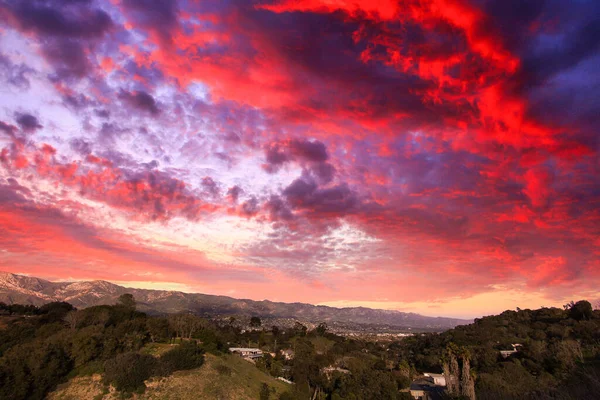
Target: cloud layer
{"type": "Point", "coordinates": [348, 152]}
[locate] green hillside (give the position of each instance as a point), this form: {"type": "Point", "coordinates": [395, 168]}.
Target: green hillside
{"type": "Point", "coordinates": [115, 352]}
{"type": "Point", "coordinates": [557, 353]}
{"type": "Point", "coordinates": [224, 377]}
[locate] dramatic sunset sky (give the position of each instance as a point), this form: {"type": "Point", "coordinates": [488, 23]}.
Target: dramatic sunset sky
{"type": "Point", "coordinates": [435, 156]}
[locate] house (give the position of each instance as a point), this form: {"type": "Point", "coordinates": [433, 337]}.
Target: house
{"type": "Point", "coordinates": [508, 353]}
{"type": "Point", "coordinates": [329, 371]}
{"type": "Point", "coordinates": [423, 388]}
{"type": "Point", "coordinates": [288, 354]}
{"type": "Point", "coordinates": [436, 379]}
{"type": "Point", "coordinates": [247, 352]}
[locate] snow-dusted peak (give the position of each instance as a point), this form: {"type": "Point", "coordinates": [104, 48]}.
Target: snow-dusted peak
{"type": "Point", "coordinates": [25, 285]}
{"type": "Point", "coordinates": [12, 281]}
{"type": "Point", "coordinates": [90, 285]}
{"type": "Point", "coordinates": [29, 290]}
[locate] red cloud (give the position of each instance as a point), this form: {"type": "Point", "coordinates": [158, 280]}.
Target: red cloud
{"type": "Point", "coordinates": [537, 185]}
{"type": "Point", "coordinates": [147, 194]}
{"type": "Point", "coordinates": [50, 242]}
{"type": "Point", "coordinates": [385, 9]}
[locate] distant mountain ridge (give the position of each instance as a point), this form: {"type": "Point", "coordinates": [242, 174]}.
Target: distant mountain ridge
{"type": "Point", "coordinates": [30, 290]}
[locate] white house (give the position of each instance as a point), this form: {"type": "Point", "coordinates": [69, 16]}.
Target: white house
{"type": "Point", "coordinates": [508, 353]}
{"type": "Point", "coordinates": [247, 352]}
{"type": "Point", "coordinates": [288, 354]}
{"type": "Point", "coordinates": [423, 389]}
{"type": "Point", "coordinates": [438, 379]}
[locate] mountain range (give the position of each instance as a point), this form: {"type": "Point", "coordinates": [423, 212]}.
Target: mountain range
{"type": "Point", "coordinates": [30, 290]}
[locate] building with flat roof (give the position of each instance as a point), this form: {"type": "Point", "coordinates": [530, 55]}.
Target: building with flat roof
{"type": "Point", "coordinates": [423, 388]}
{"type": "Point", "coordinates": [438, 379]}
{"type": "Point", "coordinates": [247, 352]}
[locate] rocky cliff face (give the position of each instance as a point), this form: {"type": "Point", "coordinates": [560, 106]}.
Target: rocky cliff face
{"type": "Point", "coordinates": [30, 290]}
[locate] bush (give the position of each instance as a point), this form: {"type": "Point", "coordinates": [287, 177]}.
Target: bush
{"type": "Point", "coordinates": [582, 310]}
{"type": "Point", "coordinates": [211, 341]}
{"type": "Point", "coordinates": [188, 355]}
{"type": "Point", "coordinates": [31, 370]}
{"type": "Point", "coordinates": [127, 372]}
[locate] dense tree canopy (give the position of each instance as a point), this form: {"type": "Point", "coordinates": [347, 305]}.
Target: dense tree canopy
{"type": "Point", "coordinates": [554, 348]}
{"type": "Point", "coordinates": [552, 353]}
{"type": "Point", "coordinates": [40, 347]}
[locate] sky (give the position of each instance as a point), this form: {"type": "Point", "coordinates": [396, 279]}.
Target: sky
{"type": "Point", "coordinates": [432, 156]}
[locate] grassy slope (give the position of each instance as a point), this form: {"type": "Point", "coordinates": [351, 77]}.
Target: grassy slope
{"type": "Point", "coordinates": [202, 383]}
{"type": "Point", "coordinates": [156, 349]}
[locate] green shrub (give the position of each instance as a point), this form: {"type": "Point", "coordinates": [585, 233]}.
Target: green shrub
{"type": "Point", "coordinates": [31, 370]}
{"type": "Point", "coordinates": [127, 372]}
{"type": "Point", "coordinates": [188, 355]}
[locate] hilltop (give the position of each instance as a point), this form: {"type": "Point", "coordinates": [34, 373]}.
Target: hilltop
{"type": "Point", "coordinates": [548, 353]}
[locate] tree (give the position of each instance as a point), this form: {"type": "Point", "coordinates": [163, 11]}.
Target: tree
{"type": "Point", "coordinates": [158, 328]}
{"type": "Point", "coordinates": [451, 369]}
{"type": "Point", "coordinates": [255, 322]}
{"type": "Point", "coordinates": [321, 329]}
{"type": "Point", "coordinates": [275, 330]}
{"type": "Point", "coordinates": [87, 344]}
{"type": "Point", "coordinates": [467, 384]}
{"type": "Point", "coordinates": [126, 300]}
{"type": "Point", "coordinates": [127, 372]}
{"type": "Point", "coordinates": [55, 311]}
{"type": "Point", "coordinates": [31, 370]}
{"type": "Point", "coordinates": [185, 325]}
{"type": "Point", "coordinates": [582, 310]}
{"type": "Point", "coordinates": [73, 318]}
{"type": "Point", "coordinates": [188, 355]}
{"type": "Point", "coordinates": [97, 315]}
{"type": "Point", "coordinates": [305, 370]}
{"type": "Point", "coordinates": [300, 329]}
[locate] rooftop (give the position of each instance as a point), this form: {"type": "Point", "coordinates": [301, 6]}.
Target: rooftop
{"type": "Point", "coordinates": [425, 385]}
{"type": "Point", "coordinates": [244, 349]}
